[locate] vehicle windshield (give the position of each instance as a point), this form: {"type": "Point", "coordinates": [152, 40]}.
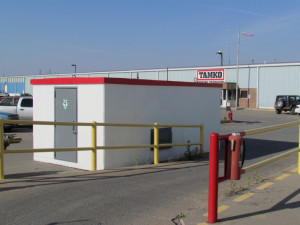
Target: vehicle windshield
{"type": "Point", "coordinates": [9, 102]}
{"type": "Point", "coordinates": [281, 98]}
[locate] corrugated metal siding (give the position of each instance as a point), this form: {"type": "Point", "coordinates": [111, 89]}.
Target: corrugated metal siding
{"type": "Point", "coordinates": [2, 88]}
{"type": "Point", "coordinates": [98, 75]}
{"type": "Point", "coordinates": [247, 77]}
{"type": "Point", "coordinates": [11, 79]}
{"type": "Point", "coordinates": [276, 81]}
{"type": "Point", "coordinates": [184, 75]}
{"type": "Point", "coordinates": [15, 87]}
{"type": "Point", "coordinates": [147, 75]}
{"type": "Point", "coordinates": [122, 75]}
{"type": "Point", "coordinates": [163, 75]}
{"type": "Point", "coordinates": [230, 75]}
{"type": "Point", "coordinates": [253, 77]}
{"type": "Point", "coordinates": [28, 86]}
{"type": "Point", "coordinates": [14, 84]}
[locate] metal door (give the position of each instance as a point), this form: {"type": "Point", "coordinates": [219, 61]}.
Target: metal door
{"type": "Point", "coordinates": [66, 111]}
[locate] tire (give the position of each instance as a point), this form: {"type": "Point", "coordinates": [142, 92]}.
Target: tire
{"type": "Point", "coordinates": [280, 103]}
{"type": "Point", "coordinates": [278, 111]}
{"type": "Point", "coordinates": [293, 110]}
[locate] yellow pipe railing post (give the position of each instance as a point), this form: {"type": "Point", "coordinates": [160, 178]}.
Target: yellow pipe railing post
{"type": "Point", "coordinates": [298, 162]}
{"type": "Point", "coordinates": [1, 151]}
{"type": "Point", "coordinates": [94, 146]}
{"type": "Point", "coordinates": [299, 152]}
{"type": "Point", "coordinates": [156, 140]}
{"type": "Point", "coordinates": [202, 141]}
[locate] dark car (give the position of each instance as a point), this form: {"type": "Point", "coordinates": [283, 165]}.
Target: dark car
{"type": "Point", "coordinates": [9, 116]}
{"type": "Point", "coordinates": [286, 103]}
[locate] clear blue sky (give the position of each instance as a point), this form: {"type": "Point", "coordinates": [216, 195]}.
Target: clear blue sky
{"type": "Point", "coordinates": [101, 35]}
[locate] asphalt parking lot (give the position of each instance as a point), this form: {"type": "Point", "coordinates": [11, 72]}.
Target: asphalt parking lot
{"type": "Point", "coordinates": [265, 145]}
{"type": "Point", "coordinates": [22, 165]}
{"type": "Point", "coordinates": [33, 191]}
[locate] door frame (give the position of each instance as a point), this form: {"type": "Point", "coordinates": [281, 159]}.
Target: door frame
{"type": "Point", "coordinates": [76, 111]}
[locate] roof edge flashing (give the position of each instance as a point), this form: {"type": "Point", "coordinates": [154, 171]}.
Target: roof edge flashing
{"type": "Point", "coordinates": [122, 81]}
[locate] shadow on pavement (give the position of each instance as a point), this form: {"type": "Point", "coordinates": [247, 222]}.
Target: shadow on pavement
{"type": "Point", "coordinates": [246, 122]}
{"type": "Point", "coordinates": [27, 180]}
{"type": "Point", "coordinates": [256, 148]}
{"type": "Point", "coordinates": [31, 174]}
{"type": "Point", "coordinates": [279, 206]}
{"type": "Point", "coordinates": [70, 222]}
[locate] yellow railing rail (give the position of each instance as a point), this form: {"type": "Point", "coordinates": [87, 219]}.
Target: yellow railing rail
{"type": "Point", "coordinates": [271, 128]}
{"type": "Point", "coordinates": [270, 160]}
{"type": "Point", "coordinates": [94, 147]}
{"type": "Point", "coordinates": [1, 151]}
{"type": "Point", "coordinates": [278, 157]}
{"type": "Point", "coordinates": [273, 159]}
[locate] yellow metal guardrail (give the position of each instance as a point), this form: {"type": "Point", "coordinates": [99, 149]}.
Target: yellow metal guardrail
{"type": "Point", "coordinates": [94, 147]}
{"type": "Point", "coordinates": [278, 157]}
{"type": "Point", "coordinates": [272, 128]}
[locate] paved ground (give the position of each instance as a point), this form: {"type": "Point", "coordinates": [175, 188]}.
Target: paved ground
{"type": "Point", "coordinates": [274, 201]}
{"type": "Point", "coordinates": [33, 192]}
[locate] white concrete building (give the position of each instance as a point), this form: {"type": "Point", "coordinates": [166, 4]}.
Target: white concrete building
{"type": "Point", "coordinates": [116, 100]}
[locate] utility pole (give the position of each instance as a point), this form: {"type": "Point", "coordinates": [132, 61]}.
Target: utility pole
{"type": "Point", "coordinates": [237, 73]}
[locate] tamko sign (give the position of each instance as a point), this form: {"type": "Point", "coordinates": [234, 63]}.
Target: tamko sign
{"type": "Point", "coordinates": [211, 75]}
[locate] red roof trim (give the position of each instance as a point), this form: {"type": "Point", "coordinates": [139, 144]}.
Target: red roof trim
{"type": "Point", "coordinates": [107, 80]}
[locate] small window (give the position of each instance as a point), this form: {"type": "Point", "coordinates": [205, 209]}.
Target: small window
{"type": "Point", "coordinates": [7, 102]}
{"type": "Point", "coordinates": [244, 94]}
{"type": "Point", "coordinates": [281, 98]}
{"type": "Point", "coordinates": [26, 102]}
{"type": "Point", "coordinates": [292, 98]}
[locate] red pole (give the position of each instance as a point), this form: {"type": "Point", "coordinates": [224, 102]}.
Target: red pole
{"type": "Point", "coordinates": [213, 178]}
{"type": "Point", "coordinates": [230, 116]}
{"type": "Point", "coordinates": [227, 168]}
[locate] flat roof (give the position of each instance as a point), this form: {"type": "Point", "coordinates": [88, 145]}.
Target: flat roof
{"type": "Point", "coordinates": [123, 81]}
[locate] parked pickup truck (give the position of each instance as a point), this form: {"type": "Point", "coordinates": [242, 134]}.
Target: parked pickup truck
{"type": "Point", "coordinates": [21, 105]}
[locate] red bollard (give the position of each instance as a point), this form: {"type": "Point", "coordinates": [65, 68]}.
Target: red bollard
{"type": "Point", "coordinates": [213, 178]}
{"type": "Point", "coordinates": [230, 116]}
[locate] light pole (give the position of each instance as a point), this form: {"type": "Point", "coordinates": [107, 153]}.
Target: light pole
{"type": "Point", "coordinates": [74, 75]}
{"type": "Point", "coordinates": [74, 66]}
{"type": "Point", "coordinates": [220, 53]}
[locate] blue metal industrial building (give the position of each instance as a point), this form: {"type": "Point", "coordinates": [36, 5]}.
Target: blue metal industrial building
{"type": "Point", "coordinates": [258, 84]}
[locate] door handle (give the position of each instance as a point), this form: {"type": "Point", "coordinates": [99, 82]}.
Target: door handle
{"type": "Point", "coordinates": [74, 128]}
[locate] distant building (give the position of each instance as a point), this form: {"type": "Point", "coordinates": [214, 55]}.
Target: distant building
{"type": "Point", "coordinates": [258, 84]}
